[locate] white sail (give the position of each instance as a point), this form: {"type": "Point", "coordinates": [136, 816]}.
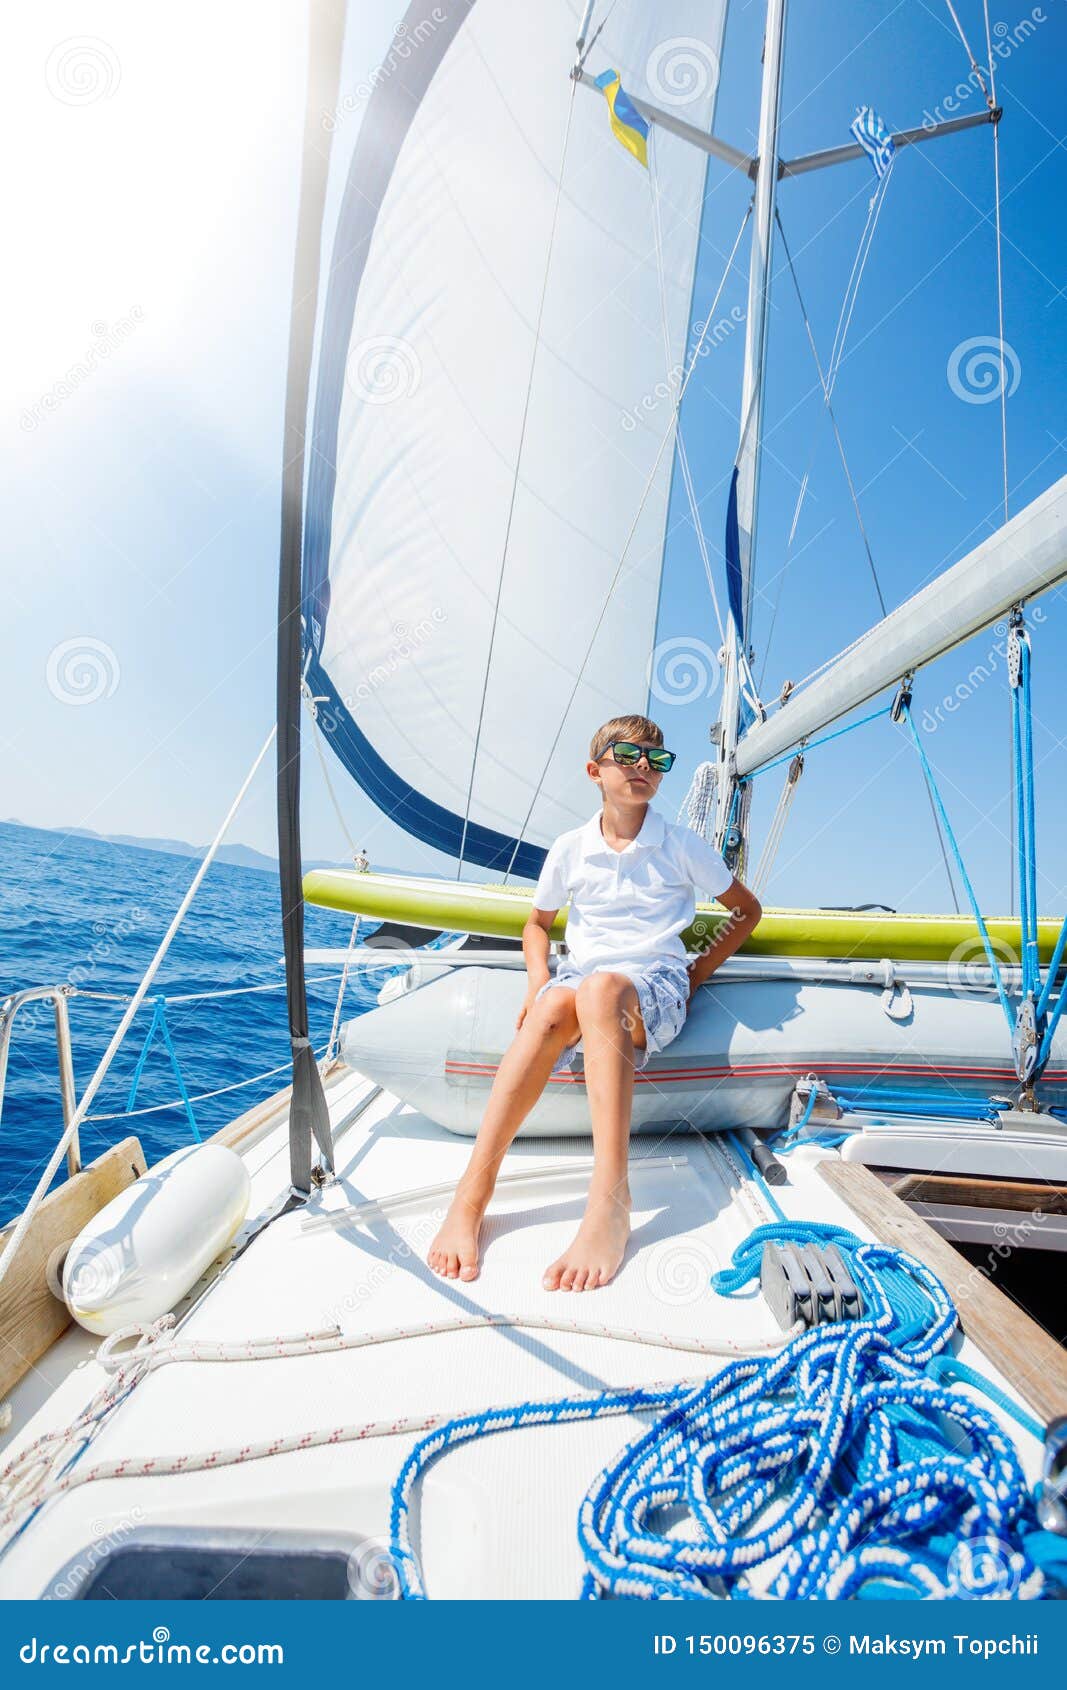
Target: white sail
{"type": "Point", "coordinates": [494, 399]}
{"type": "Point", "coordinates": [1024, 557]}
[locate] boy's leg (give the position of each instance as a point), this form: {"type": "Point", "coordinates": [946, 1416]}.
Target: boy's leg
{"type": "Point", "coordinates": [609, 1015]}
{"type": "Point", "coordinates": [550, 1025]}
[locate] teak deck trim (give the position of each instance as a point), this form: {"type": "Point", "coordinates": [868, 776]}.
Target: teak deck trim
{"type": "Point", "coordinates": [1023, 1352]}
{"type": "Point", "coordinates": [1016, 1195]}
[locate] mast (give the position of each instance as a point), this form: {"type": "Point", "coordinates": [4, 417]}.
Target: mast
{"type": "Point", "coordinates": [745, 490]}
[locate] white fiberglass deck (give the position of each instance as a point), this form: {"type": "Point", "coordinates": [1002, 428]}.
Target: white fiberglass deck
{"type": "Point", "coordinates": [494, 1518]}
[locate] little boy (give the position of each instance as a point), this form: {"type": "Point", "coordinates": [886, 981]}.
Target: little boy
{"type": "Point", "coordinates": [623, 991]}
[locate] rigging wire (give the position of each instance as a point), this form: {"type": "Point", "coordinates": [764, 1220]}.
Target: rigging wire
{"type": "Point", "coordinates": [875, 206]}
{"type": "Point", "coordinates": [863, 252]}
{"type": "Point", "coordinates": [758, 879]}
{"type": "Point", "coordinates": [944, 852]}
{"type": "Point", "coordinates": [597, 33]}
{"type": "Point", "coordinates": [312, 705]}
{"type": "Point", "coordinates": [991, 100]}
{"type": "Point", "coordinates": [844, 323]}
{"type": "Point", "coordinates": [990, 95]}
{"type": "Point", "coordinates": [515, 480]}
{"type": "Point", "coordinates": [826, 383]}
{"type": "Point", "coordinates": [967, 46]}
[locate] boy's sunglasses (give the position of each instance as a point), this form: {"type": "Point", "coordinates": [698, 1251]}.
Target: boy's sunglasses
{"type": "Point", "coordinates": [627, 753]}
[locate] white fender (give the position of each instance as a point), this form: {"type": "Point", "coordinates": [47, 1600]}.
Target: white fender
{"type": "Point", "coordinates": [142, 1252]}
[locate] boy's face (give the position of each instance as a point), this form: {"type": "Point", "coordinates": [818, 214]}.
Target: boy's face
{"type": "Point", "coordinates": [624, 784]}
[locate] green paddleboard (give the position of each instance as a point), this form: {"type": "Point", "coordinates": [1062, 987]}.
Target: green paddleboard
{"type": "Point", "coordinates": [500, 912]}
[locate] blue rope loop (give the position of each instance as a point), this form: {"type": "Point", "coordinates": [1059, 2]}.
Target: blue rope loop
{"type": "Point", "coordinates": [160, 1025]}
{"type": "Point", "coordinates": [845, 1465]}
{"type": "Point", "coordinates": [809, 745]}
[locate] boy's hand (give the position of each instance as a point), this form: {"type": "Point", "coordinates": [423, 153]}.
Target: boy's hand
{"type": "Point", "coordinates": [745, 911]}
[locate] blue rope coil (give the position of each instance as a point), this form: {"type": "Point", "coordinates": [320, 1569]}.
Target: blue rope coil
{"type": "Point", "coordinates": [837, 1467]}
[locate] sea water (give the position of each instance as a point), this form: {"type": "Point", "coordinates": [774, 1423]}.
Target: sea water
{"type": "Point", "coordinates": [91, 913]}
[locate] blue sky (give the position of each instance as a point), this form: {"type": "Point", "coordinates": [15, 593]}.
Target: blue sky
{"type": "Point", "coordinates": [154, 207]}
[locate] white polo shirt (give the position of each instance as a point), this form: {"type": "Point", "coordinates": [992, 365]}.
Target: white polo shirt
{"type": "Point", "coordinates": [631, 905]}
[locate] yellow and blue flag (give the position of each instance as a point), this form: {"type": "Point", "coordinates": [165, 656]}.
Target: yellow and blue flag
{"type": "Point", "coordinates": [628, 126]}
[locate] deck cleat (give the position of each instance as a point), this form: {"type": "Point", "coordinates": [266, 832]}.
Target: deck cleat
{"type": "Point", "coordinates": [824, 1106]}
{"type": "Point", "coordinates": [809, 1283]}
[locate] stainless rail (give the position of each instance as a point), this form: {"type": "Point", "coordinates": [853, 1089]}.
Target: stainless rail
{"type": "Point", "coordinates": [9, 1009]}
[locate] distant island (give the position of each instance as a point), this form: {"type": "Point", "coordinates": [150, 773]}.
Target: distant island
{"type": "Point", "coordinates": [239, 856]}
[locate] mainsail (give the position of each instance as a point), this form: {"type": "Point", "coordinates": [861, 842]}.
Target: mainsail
{"type": "Point", "coordinates": [492, 435]}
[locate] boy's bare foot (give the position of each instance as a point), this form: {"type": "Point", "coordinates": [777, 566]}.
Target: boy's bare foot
{"type": "Point", "coordinates": [454, 1252]}
{"type": "Point", "coordinates": [596, 1254]}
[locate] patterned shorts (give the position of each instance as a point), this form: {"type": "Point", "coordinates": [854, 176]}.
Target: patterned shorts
{"type": "Point", "coordinates": [662, 995]}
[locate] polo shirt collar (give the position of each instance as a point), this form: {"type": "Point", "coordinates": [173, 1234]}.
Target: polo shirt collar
{"type": "Point", "coordinates": [594, 842]}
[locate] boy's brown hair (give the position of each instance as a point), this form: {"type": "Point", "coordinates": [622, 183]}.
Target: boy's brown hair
{"type": "Point", "coordinates": [639, 728]}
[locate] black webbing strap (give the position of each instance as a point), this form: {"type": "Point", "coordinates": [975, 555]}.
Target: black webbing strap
{"type": "Point", "coordinates": [308, 1113]}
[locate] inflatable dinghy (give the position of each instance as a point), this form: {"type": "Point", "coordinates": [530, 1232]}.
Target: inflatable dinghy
{"type": "Point", "coordinates": [500, 912]}
{"type": "Point", "coordinates": [734, 1064]}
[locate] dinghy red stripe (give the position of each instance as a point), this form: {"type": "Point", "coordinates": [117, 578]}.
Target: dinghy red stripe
{"type": "Point", "coordinates": [667, 1076]}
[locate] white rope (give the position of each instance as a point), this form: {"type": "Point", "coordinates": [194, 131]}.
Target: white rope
{"type": "Point", "coordinates": [698, 806]}
{"type": "Point", "coordinates": [43, 1469]}
{"type": "Point", "coordinates": [775, 831]}
{"type": "Point", "coordinates": [45, 1181]}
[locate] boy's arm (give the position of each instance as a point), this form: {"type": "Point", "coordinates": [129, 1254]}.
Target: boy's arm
{"type": "Point", "coordinates": [745, 911]}
{"type": "Point", "coordinates": [535, 946]}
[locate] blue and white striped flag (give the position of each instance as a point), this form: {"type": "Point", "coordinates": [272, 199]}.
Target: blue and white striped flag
{"type": "Point", "coordinates": [874, 138]}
